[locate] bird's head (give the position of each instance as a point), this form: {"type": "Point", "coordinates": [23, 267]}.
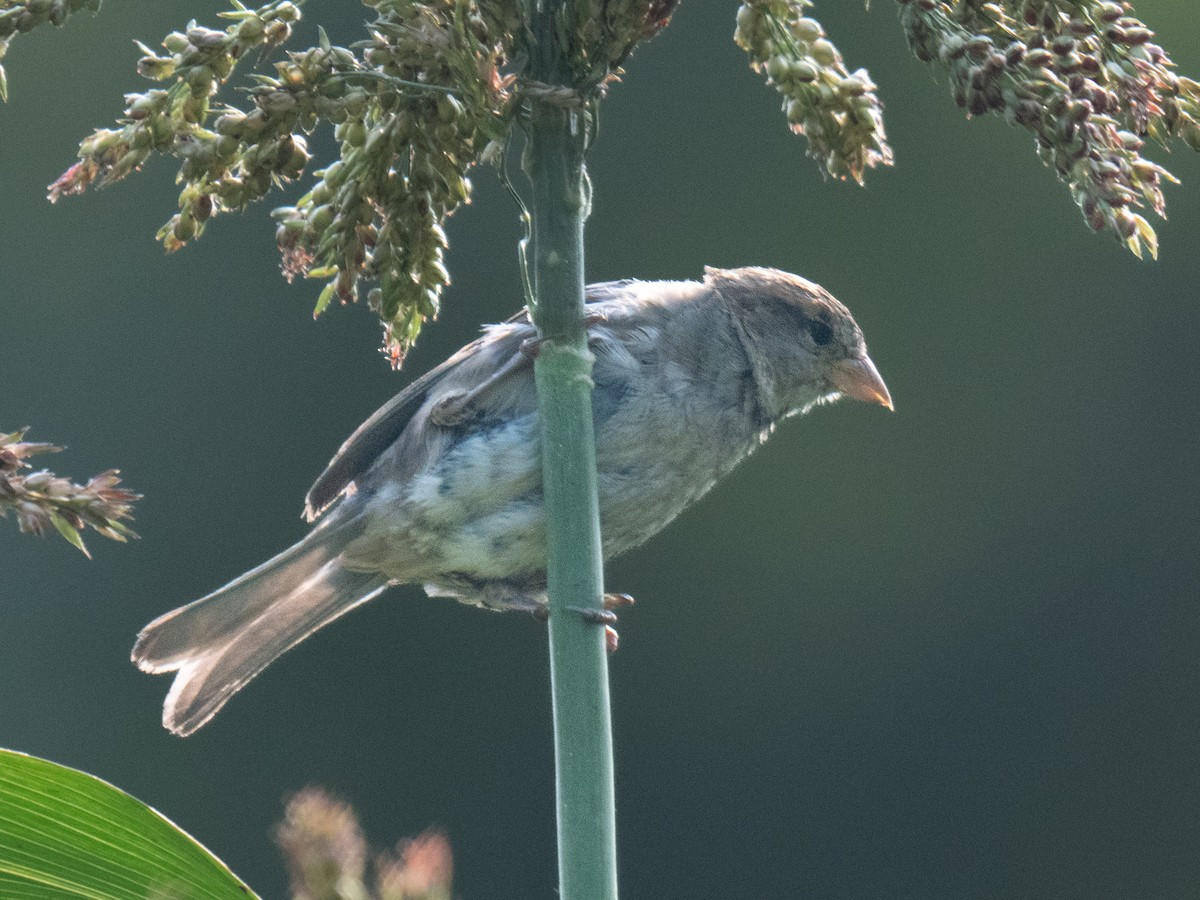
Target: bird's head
{"type": "Point", "coordinates": [803, 344]}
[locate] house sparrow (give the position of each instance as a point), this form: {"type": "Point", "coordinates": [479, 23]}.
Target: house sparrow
{"type": "Point", "coordinates": [443, 485]}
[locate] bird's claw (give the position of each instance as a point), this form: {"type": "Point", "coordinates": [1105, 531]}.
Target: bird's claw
{"type": "Point", "coordinates": [603, 616]}
{"type": "Point", "coordinates": [530, 347]}
{"type": "Point", "coordinates": [606, 617]}
{"type": "Point", "coordinates": [595, 616]}
{"type": "Point", "coordinates": [618, 601]}
{"type": "Point", "coordinates": [612, 640]}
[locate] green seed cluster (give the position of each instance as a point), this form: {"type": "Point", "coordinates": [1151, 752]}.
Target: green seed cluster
{"type": "Point", "coordinates": [430, 93]}
{"type": "Point", "coordinates": [431, 97]}
{"type": "Point", "coordinates": [20, 16]}
{"type": "Point", "coordinates": [41, 500]}
{"type": "Point", "coordinates": [222, 168]}
{"type": "Point", "coordinates": [414, 107]}
{"type": "Point", "coordinates": [602, 33]}
{"type": "Point", "coordinates": [1085, 78]}
{"type": "Point", "coordinates": [837, 111]}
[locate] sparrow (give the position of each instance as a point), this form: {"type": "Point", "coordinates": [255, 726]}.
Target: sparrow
{"type": "Point", "coordinates": [442, 486]}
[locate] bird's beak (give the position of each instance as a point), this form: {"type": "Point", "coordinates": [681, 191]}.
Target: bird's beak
{"type": "Point", "coordinates": [858, 378]}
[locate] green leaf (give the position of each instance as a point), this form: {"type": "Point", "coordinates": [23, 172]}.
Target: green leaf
{"type": "Point", "coordinates": [65, 835]}
{"type": "Point", "coordinates": [70, 532]}
{"type": "Point", "coordinates": [323, 300]}
{"type": "Point", "coordinates": [1146, 233]}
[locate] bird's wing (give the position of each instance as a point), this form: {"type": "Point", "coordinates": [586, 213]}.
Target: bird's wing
{"type": "Point", "coordinates": [465, 369]}
{"type": "Point", "coordinates": [410, 421]}
{"type": "Point", "coordinates": [599, 292]}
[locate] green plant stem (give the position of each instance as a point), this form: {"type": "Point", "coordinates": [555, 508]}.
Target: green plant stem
{"type": "Point", "coordinates": [578, 658]}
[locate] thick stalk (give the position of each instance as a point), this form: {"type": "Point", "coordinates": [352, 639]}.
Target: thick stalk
{"type": "Point", "coordinates": [578, 658]}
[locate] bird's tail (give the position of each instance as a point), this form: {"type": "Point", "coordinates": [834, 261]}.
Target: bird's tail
{"type": "Point", "coordinates": [219, 642]}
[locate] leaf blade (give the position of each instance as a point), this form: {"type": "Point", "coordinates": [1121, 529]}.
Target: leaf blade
{"type": "Point", "coordinates": [66, 834]}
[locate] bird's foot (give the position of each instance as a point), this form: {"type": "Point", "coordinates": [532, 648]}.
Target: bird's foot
{"type": "Point", "coordinates": [618, 601]}
{"type": "Point", "coordinates": [531, 347]}
{"type": "Point", "coordinates": [603, 616]}
{"type": "Point", "coordinates": [594, 616]}
{"type": "Point", "coordinates": [606, 617]}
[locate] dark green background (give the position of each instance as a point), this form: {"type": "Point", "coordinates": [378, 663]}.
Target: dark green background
{"type": "Point", "coordinates": [946, 653]}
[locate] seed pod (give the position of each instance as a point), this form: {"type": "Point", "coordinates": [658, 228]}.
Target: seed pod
{"type": "Point", "coordinates": [1068, 64]}
{"type": "Point", "coordinates": [824, 53]}
{"type": "Point", "coordinates": [38, 480]}
{"type": "Point", "coordinates": [777, 68]}
{"type": "Point", "coordinates": [1130, 141]}
{"type": "Point", "coordinates": [1063, 44]}
{"type": "Point", "coordinates": [287, 12]}
{"type": "Point", "coordinates": [746, 17]}
{"type": "Point", "coordinates": [952, 47]}
{"type": "Point", "coordinates": [804, 72]}
{"type": "Point", "coordinates": [251, 29]}
{"type": "Point", "coordinates": [204, 37]}
{"type": "Point", "coordinates": [321, 218]}
{"type": "Point", "coordinates": [176, 42]}
{"type": "Point", "coordinates": [184, 228]}
{"type": "Point", "coordinates": [1039, 58]}
{"type": "Point", "coordinates": [1079, 110]}
{"type": "Point", "coordinates": [807, 29]}
{"type": "Point", "coordinates": [449, 109]}
{"type": "Point", "coordinates": [979, 45]}
{"type": "Point", "coordinates": [1126, 223]}
{"type": "Point", "coordinates": [356, 133]}
{"type": "Point", "coordinates": [852, 86]}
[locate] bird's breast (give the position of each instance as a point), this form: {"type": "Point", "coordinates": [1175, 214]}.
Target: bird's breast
{"type": "Point", "coordinates": [477, 508]}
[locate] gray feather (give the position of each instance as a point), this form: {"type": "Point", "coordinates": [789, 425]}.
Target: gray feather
{"type": "Point", "coordinates": [461, 372]}
{"type": "Point", "coordinates": [220, 642]}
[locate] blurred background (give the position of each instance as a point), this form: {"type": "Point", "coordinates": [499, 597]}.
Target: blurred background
{"type": "Point", "coordinates": [948, 652]}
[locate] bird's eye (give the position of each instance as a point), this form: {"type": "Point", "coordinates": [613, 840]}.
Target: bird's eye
{"type": "Point", "coordinates": [821, 332]}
